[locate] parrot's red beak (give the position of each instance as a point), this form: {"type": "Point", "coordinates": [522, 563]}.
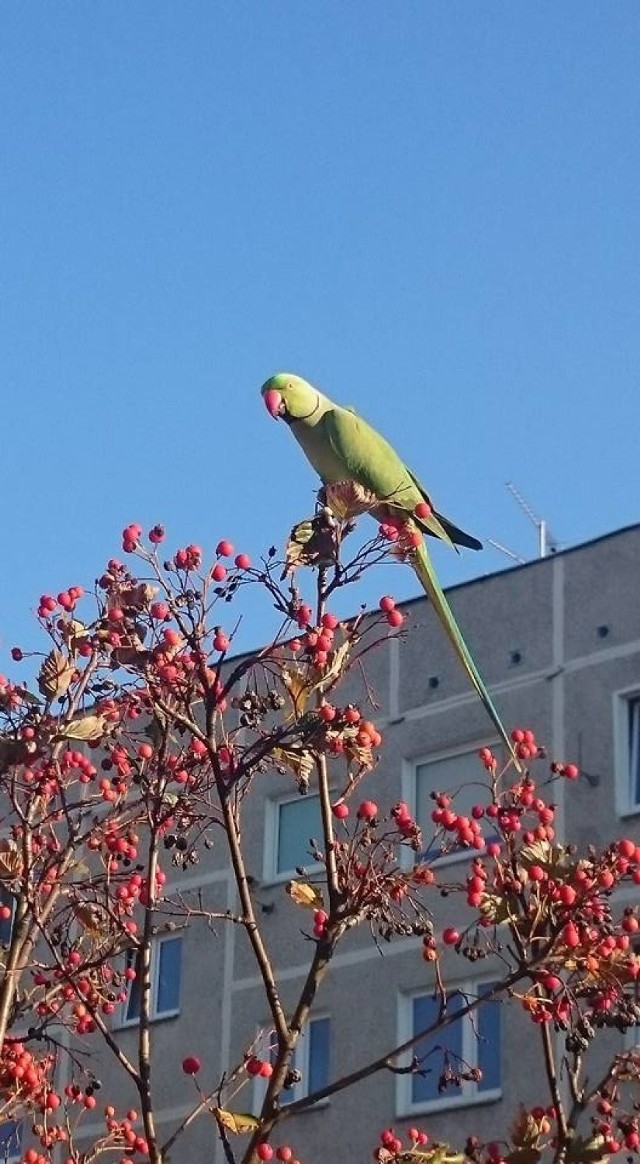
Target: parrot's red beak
{"type": "Point", "coordinates": [274, 402]}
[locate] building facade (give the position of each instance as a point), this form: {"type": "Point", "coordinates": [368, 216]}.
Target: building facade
{"type": "Point", "coordinates": [558, 643]}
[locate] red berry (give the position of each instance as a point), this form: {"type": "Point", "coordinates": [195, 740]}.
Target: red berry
{"type": "Point", "coordinates": [266, 1069]}
{"type": "Point", "coordinates": [450, 936]}
{"type": "Point", "coordinates": [327, 713]}
{"type": "Point", "coordinates": [264, 1152]}
{"type": "Point", "coordinates": [145, 751]}
{"type": "Point", "coordinates": [340, 810]}
{"type": "Point", "coordinates": [220, 642]}
{"type": "Point", "coordinates": [626, 847]}
{"type": "Point", "coordinates": [243, 561]}
{"type": "Point", "coordinates": [330, 621]}
{"type": "Point", "coordinates": [571, 771]}
{"type": "Point", "coordinates": [156, 535]}
{"type": "Point", "coordinates": [219, 572]}
{"type": "Point", "coordinates": [395, 618]}
{"type": "Point", "coordinates": [224, 549]}
{"type": "Point", "coordinates": [368, 810]}
{"type": "Point", "coordinates": [159, 610]}
{"type": "Point", "coordinates": [191, 1065]}
{"type": "Point", "coordinates": [570, 936]}
{"type": "Point", "coordinates": [284, 1153]}
{"type": "Point", "coordinates": [387, 604]}
{"type": "Point", "coordinates": [253, 1065]}
{"type": "Point", "coordinates": [423, 510]}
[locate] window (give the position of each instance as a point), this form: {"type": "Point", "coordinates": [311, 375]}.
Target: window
{"type": "Point", "coordinates": [471, 1042]}
{"type": "Point", "coordinates": [460, 775]}
{"type": "Point", "coordinates": [627, 751]}
{"type": "Point", "coordinates": [311, 1060]}
{"type": "Point", "coordinates": [166, 959]}
{"type": "Point", "coordinates": [10, 1141]}
{"type": "Point", "coordinates": [289, 827]}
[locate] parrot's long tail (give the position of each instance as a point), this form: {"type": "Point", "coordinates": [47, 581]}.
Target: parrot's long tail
{"type": "Point", "coordinates": [423, 568]}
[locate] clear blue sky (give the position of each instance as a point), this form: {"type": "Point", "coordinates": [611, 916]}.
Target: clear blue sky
{"type": "Point", "coordinates": [429, 207]}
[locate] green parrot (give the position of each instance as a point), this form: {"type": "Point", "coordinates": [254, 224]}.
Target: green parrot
{"type": "Point", "coordinates": [344, 448]}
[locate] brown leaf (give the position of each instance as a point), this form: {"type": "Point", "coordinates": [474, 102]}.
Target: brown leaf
{"type": "Point", "coordinates": [10, 860]}
{"type": "Point", "coordinates": [88, 727]}
{"type": "Point", "coordinates": [347, 499]}
{"type": "Point", "coordinates": [91, 918]}
{"type": "Point", "coordinates": [311, 543]}
{"type": "Point", "coordinates": [135, 597]}
{"type": "Point", "coordinates": [55, 675]}
{"type": "Point", "coordinates": [237, 1122]}
{"type": "Point", "coordinates": [525, 1129]}
{"type": "Point", "coordinates": [300, 763]}
{"type": "Point", "coordinates": [305, 895]}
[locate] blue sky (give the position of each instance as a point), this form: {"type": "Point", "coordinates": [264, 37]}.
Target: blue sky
{"type": "Point", "coordinates": [429, 208]}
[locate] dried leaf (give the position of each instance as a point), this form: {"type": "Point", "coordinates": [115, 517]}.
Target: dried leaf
{"type": "Point", "coordinates": [300, 763]}
{"type": "Point", "coordinates": [135, 597]}
{"type": "Point", "coordinates": [495, 908]}
{"type": "Point", "coordinates": [88, 727]}
{"type": "Point", "coordinates": [55, 675]}
{"type": "Point", "coordinates": [311, 543]}
{"type": "Point", "coordinates": [237, 1122]}
{"type": "Point", "coordinates": [583, 1151]}
{"type": "Point", "coordinates": [525, 1129]}
{"type": "Point", "coordinates": [10, 860]}
{"type": "Point", "coordinates": [296, 682]}
{"type": "Point", "coordinates": [336, 666]}
{"type": "Point", "coordinates": [91, 919]}
{"type": "Point", "coordinates": [347, 499]}
{"type": "Point", "coordinates": [305, 895]}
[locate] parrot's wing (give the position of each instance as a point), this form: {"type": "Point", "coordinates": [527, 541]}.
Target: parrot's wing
{"type": "Point", "coordinates": [369, 459]}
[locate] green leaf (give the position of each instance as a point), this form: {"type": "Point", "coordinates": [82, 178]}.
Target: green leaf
{"type": "Point", "coordinates": [236, 1122]}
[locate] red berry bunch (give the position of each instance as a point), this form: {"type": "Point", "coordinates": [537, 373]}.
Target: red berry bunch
{"type": "Point", "coordinates": [394, 617]}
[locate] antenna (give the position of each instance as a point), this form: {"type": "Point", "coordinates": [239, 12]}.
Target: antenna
{"type": "Point", "coordinates": [547, 544]}
{"type": "Point", "coordinates": [505, 550]}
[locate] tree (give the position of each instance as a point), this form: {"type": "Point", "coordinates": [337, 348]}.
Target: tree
{"type": "Point", "coordinates": [144, 742]}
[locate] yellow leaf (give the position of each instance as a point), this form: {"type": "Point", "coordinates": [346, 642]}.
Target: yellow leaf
{"type": "Point", "coordinates": [89, 727]}
{"type": "Point", "coordinates": [306, 895]}
{"type": "Point", "coordinates": [236, 1122]}
{"type": "Point", "coordinates": [297, 683]}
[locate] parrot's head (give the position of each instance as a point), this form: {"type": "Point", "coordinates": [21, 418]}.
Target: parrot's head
{"type": "Point", "coordinates": [289, 397]}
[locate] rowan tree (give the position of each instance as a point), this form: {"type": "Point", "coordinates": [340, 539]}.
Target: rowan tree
{"type": "Point", "coordinates": [139, 742]}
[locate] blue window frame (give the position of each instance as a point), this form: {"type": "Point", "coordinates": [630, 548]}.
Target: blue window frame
{"type": "Point", "coordinates": [311, 1058]}
{"type": "Point", "coordinates": [297, 821]}
{"type": "Point", "coordinates": [473, 1041]}
{"type": "Point", "coordinates": [166, 973]}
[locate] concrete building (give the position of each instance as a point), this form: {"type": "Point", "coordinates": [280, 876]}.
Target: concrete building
{"type": "Point", "coordinates": [558, 642]}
